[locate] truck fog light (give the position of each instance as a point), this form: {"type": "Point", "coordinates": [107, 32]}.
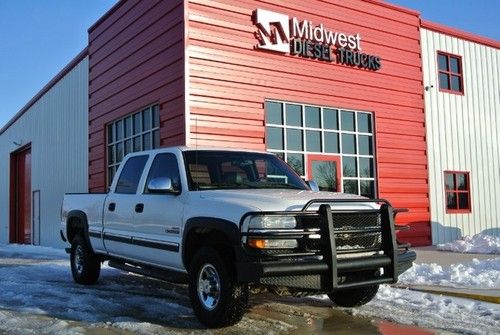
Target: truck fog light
{"type": "Point", "coordinates": [272, 244]}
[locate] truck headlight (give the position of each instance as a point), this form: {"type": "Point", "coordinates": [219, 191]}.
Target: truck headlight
{"type": "Point", "coordinates": [272, 222]}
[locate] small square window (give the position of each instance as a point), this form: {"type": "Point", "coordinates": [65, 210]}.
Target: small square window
{"type": "Point", "coordinates": [450, 73]}
{"type": "Point", "coordinates": [313, 119]}
{"type": "Point", "coordinates": [293, 115]}
{"type": "Point", "coordinates": [457, 191]}
{"type": "Point", "coordinates": [274, 112]}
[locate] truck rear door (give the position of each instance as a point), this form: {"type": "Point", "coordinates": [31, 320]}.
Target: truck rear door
{"type": "Point", "coordinates": [120, 206]}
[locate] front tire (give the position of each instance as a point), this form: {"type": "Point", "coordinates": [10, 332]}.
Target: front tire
{"type": "Point", "coordinates": [85, 265]}
{"type": "Point", "coordinates": [217, 299]}
{"type": "Point", "coordinates": [353, 297]}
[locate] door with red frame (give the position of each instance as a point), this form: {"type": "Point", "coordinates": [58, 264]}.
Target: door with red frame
{"type": "Point", "coordinates": [325, 171]}
{"type": "Point", "coordinates": [20, 196]}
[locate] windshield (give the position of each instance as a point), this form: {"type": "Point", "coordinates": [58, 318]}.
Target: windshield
{"type": "Point", "coordinates": [214, 170]}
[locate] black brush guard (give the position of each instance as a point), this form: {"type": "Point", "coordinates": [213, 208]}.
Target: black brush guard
{"type": "Point", "coordinates": [327, 268]}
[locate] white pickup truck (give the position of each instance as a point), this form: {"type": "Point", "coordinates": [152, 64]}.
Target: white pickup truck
{"type": "Point", "coordinates": [220, 220]}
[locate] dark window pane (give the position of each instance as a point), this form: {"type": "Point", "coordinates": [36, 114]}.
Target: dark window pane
{"type": "Point", "coordinates": [451, 200]}
{"type": "Point", "coordinates": [137, 143]}
{"type": "Point", "coordinates": [156, 139]}
{"type": "Point", "coordinates": [128, 127]}
{"type": "Point", "coordinates": [366, 167]}
{"type": "Point", "coordinates": [449, 181]}
{"type": "Point", "coordinates": [330, 119]}
{"type": "Point", "coordinates": [365, 145]}
{"type": "Point", "coordinates": [147, 142]}
{"type": "Point", "coordinates": [146, 119]}
{"type": "Point", "coordinates": [313, 139]}
{"type": "Point", "coordinates": [348, 144]}
{"type": "Point", "coordinates": [443, 62]}
{"type": "Point", "coordinates": [274, 112]}
{"type": "Point", "coordinates": [274, 138]}
{"type": "Point", "coordinates": [156, 116]}
{"type": "Point", "coordinates": [294, 140]}
{"type": "Point", "coordinates": [456, 85]}
{"type": "Point", "coordinates": [349, 166]}
{"type": "Point", "coordinates": [462, 182]}
{"type": "Point", "coordinates": [128, 147]}
{"type": "Point", "coordinates": [324, 173]}
{"type": "Point", "coordinates": [137, 123]}
{"type": "Point", "coordinates": [296, 161]}
{"type": "Point", "coordinates": [313, 118]}
{"type": "Point", "coordinates": [119, 130]}
{"type": "Point", "coordinates": [364, 123]}
{"type": "Point", "coordinates": [332, 143]}
{"type": "Point", "coordinates": [463, 201]}
{"type": "Point", "coordinates": [293, 115]}
{"type": "Point", "coordinates": [347, 121]}
{"type": "Point", "coordinates": [111, 174]}
{"type": "Point", "coordinates": [351, 186]}
{"type": "Point", "coordinates": [111, 133]}
{"type": "Point", "coordinates": [443, 81]}
{"type": "Point", "coordinates": [454, 65]}
{"type": "Point", "coordinates": [130, 175]}
{"type": "Point", "coordinates": [119, 152]}
{"type": "Point", "coordinates": [165, 166]}
{"type": "Point", "coordinates": [367, 188]}
{"type": "Point", "coordinates": [111, 154]}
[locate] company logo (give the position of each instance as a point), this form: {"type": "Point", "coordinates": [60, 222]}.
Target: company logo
{"type": "Point", "coordinates": [274, 30]}
{"type": "Point", "coordinates": [279, 33]}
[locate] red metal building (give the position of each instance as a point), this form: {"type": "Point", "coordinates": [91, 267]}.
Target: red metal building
{"type": "Point", "coordinates": [334, 85]}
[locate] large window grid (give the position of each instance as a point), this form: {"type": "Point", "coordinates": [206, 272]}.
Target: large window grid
{"type": "Point", "coordinates": [136, 132]}
{"type": "Point", "coordinates": [292, 134]}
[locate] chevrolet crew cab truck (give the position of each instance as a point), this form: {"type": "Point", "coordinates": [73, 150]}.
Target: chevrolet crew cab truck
{"type": "Point", "coordinates": [221, 220]}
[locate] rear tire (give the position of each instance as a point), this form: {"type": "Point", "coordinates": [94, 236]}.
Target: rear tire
{"type": "Point", "coordinates": [217, 299]}
{"type": "Point", "coordinates": [85, 265]}
{"type": "Point", "coordinates": [353, 297]}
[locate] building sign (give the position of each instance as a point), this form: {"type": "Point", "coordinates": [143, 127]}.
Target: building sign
{"type": "Point", "coordinates": [279, 33]}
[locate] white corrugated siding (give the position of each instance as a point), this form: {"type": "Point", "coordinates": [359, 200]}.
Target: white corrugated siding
{"type": "Point", "coordinates": [463, 134]}
{"type": "Point", "coordinates": [57, 127]}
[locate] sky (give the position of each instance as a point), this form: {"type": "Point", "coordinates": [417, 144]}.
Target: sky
{"type": "Point", "coordinates": [38, 38]}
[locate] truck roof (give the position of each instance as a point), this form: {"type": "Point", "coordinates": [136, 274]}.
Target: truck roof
{"type": "Point", "coordinates": [183, 148]}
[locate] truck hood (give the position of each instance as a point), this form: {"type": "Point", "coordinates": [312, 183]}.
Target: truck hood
{"type": "Point", "coordinates": [279, 199]}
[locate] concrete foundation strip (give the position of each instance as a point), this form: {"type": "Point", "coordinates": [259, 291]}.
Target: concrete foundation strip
{"type": "Point", "coordinates": [492, 296]}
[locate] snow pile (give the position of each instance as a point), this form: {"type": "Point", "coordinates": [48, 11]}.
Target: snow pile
{"type": "Point", "coordinates": [33, 251]}
{"type": "Point", "coordinates": [454, 315]}
{"type": "Point", "coordinates": [476, 274]}
{"type": "Point", "coordinates": [479, 244]}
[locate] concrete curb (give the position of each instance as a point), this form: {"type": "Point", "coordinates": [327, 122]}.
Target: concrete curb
{"type": "Point", "coordinates": [454, 292]}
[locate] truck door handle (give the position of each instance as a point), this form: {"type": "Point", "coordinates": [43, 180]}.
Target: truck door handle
{"type": "Point", "coordinates": [139, 208]}
{"type": "Point", "coordinates": [111, 206]}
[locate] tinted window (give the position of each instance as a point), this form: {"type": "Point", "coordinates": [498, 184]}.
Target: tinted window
{"type": "Point", "coordinates": [165, 166]}
{"type": "Point", "coordinates": [131, 174]}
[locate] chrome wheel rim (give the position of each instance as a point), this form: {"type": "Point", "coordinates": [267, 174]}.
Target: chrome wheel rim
{"type": "Point", "coordinates": [78, 262]}
{"type": "Point", "coordinates": [209, 287]}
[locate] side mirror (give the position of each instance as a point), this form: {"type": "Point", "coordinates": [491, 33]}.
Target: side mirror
{"type": "Point", "coordinates": [162, 185]}
{"type": "Point", "coordinates": [312, 185]}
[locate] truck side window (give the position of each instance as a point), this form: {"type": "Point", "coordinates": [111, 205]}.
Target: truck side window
{"type": "Point", "coordinates": [165, 165]}
{"type": "Point", "coordinates": [130, 175]}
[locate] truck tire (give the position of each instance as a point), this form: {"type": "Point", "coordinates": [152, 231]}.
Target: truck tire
{"type": "Point", "coordinates": [85, 265]}
{"type": "Point", "coordinates": [353, 297]}
{"type": "Point", "coordinates": [217, 299]}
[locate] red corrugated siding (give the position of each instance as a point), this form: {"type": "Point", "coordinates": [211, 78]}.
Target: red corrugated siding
{"type": "Point", "coordinates": [136, 59]}
{"type": "Point", "coordinates": [229, 81]}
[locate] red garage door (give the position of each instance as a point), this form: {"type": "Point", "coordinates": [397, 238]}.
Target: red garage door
{"type": "Point", "coordinates": [20, 196]}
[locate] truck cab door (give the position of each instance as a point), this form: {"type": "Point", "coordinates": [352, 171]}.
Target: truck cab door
{"type": "Point", "coordinates": [119, 208]}
{"type": "Point", "coordinates": [158, 216]}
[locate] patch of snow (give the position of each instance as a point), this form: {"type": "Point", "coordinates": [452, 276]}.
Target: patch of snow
{"type": "Point", "coordinates": [33, 251]}
{"type": "Point", "coordinates": [479, 244]}
{"type": "Point", "coordinates": [484, 274]}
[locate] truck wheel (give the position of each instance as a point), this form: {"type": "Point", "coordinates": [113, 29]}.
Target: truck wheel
{"type": "Point", "coordinates": [85, 265]}
{"type": "Point", "coordinates": [217, 299]}
{"type": "Point", "coordinates": [353, 297]}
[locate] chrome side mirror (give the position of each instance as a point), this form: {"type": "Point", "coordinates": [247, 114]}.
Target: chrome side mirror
{"type": "Point", "coordinates": [162, 185]}
{"type": "Point", "coordinates": [313, 185]}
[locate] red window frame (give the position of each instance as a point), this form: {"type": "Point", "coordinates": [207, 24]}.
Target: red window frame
{"type": "Point", "coordinates": [456, 191]}
{"type": "Point", "coordinates": [325, 158]}
{"type": "Point", "coordinates": [449, 73]}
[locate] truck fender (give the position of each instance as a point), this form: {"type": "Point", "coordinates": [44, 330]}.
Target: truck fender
{"type": "Point", "coordinates": [229, 229]}
{"type": "Point", "coordinates": [81, 224]}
